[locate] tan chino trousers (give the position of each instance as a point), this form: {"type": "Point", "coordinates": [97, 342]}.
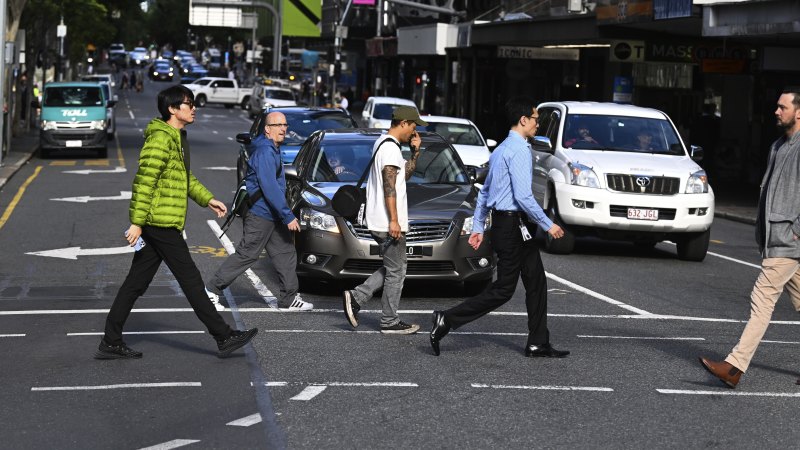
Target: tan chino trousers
{"type": "Point", "coordinates": [775, 274]}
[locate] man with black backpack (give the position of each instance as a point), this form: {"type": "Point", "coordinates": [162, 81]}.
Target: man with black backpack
{"type": "Point", "coordinates": [269, 223]}
{"type": "Point", "coordinates": [386, 215]}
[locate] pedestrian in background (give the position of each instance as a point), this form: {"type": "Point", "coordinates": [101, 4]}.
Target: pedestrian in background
{"type": "Point", "coordinates": [507, 193]}
{"type": "Point", "coordinates": [777, 234]}
{"type": "Point", "coordinates": [268, 224]}
{"type": "Point", "coordinates": [157, 212]}
{"type": "Point", "coordinates": [387, 220]}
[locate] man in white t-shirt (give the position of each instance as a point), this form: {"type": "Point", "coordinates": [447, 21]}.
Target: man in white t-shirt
{"type": "Point", "coordinates": [387, 220]}
{"type": "Point", "coordinates": [343, 103]}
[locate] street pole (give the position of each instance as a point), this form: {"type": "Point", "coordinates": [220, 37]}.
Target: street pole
{"type": "Point", "coordinates": [3, 121]}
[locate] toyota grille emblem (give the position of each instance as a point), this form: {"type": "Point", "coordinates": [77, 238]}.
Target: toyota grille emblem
{"type": "Point", "coordinates": [643, 181]}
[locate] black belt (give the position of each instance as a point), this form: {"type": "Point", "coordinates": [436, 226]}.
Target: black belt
{"type": "Point", "coordinates": [508, 213]}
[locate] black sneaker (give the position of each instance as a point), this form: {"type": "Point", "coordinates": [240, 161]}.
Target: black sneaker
{"type": "Point", "coordinates": [400, 328]}
{"type": "Point", "coordinates": [105, 351]}
{"type": "Point", "coordinates": [351, 308]}
{"type": "Point", "coordinates": [237, 339]}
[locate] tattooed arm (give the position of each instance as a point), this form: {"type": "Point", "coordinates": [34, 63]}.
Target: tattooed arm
{"type": "Point", "coordinates": [389, 175]}
{"type": "Point", "coordinates": [411, 164]}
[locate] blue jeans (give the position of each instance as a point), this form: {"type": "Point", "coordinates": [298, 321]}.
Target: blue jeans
{"type": "Point", "coordinates": [390, 277]}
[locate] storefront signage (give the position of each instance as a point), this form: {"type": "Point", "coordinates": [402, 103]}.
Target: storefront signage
{"type": "Point", "coordinates": [627, 51]}
{"type": "Point", "coordinates": [671, 9]}
{"type": "Point", "coordinates": [623, 90]}
{"type": "Point", "coordinates": [612, 12]}
{"type": "Point", "coordinates": [567, 54]}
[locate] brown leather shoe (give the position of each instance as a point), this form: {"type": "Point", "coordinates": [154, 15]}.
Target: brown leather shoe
{"type": "Point", "coordinates": [723, 370]}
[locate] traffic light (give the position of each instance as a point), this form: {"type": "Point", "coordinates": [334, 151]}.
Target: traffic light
{"type": "Point", "coordinates": [418, 80]}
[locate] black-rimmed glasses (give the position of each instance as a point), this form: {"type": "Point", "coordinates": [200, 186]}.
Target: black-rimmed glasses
{"type": "Point", "coordinates": [189, 104]}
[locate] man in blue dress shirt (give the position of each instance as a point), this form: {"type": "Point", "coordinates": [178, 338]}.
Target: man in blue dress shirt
{"type": "Point", "coordinates": [508, 196]}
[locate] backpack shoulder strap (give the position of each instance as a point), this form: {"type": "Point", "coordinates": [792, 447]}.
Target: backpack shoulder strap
{"type": "Point", "coordinates": [369, 166]}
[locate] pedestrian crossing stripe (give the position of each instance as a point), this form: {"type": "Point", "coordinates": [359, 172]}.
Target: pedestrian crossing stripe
{"type": "Point", "coordinates": [301, 18]}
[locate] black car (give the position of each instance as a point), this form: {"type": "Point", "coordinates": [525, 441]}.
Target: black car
{"type": "Point", "coordinates": [303, 121]}
{"type": "Point", "coordinates": [441, 203]}
{"type": "Point", "coordinates": [162, 70]}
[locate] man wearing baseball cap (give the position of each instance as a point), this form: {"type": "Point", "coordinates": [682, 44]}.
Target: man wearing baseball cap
{"type": "Point", "coordinates": [387, 220]}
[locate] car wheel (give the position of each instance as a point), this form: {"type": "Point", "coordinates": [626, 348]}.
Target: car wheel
{"type": "Point", "coordinates": [566, 243]}
{"type": "Point", "coordinates": [473, 288]}
{"type": "Point", "coordinates": [246, 104]}
{"type": "Point", "coordinates": [693, 246]}
{"type": "Point", "coordinates": [200, 101]}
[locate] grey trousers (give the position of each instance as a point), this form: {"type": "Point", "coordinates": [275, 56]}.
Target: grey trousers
{"type": "Point", "coordinates": [259, 233]}
{"type": "Point", "coordinates": [390, 277]}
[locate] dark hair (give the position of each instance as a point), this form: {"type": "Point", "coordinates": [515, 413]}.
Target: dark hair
{"type": "Point", "coordinates": [173, 96]}
{"type": "Point", "coordinates": [795, 91]}
{"type": "Point", "coordinates": [396, 123]}
{"type": "Point", "coordinates": [517, 107]}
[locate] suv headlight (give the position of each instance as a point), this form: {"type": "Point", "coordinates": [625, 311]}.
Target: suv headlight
{"type": "Point", "coordinates": [698, 183]}
{"type": "Point", "coordinates": [583, 176]}
{"type": "Point", "coordinates": [318, 221]}
{"type": "Point", "coordinates": [97, 125]}
{"type": "Point", "coordinates": [48, 125]}
{"type": "Point", "coordinates": [466, 229]}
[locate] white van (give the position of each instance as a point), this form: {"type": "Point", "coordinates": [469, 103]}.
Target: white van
{"type": "Point", "coordinates": [378, 111]}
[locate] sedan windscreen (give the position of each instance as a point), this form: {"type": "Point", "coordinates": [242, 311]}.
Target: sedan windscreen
{"type": "Point", "coordinates": [621, 133]}
{"type": "Point", "coordinates": [302, 124]}
{"type": "Point", "coordinates": [346, 160]}
{"type": "Point", "coordinates": [455, 133]}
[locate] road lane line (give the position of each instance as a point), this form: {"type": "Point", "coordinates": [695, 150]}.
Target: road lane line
{"type": "Point", "coordinates": [18, 196]}
{"type": "Point", "coordinates": [262, 289]}
{"type": "Point", "coordinates": [117, 386]}
{"type": "Point", "coordinates": [544, 388]}
{"type": "Point", "coordinates": [175, 443]}
{"type": "Point", "coordinates": [270, 383]}
{"type": "Point", "coordinates": [732, 393]}
{"type": "Point", "coordinates": [309, 393]}
{"type": "Point", "coordinates": [252, 419]}
{"type": "Point", "coordinates": [11, 335]}
{"type": "Point", "coordinates": [119, 151]}
{"type": "Point", "coordinates": [597, 295]}
{"type": "Point", "coordinates": [654, 338]}
{"type": "Point", "coordinates": [100, 333]}
{"type": "Point", "coordinates": [735, 260]}
{"type": "Point", "coordinates": [132, 116]}
{"type": "Point", "coordinates": [766, 341]}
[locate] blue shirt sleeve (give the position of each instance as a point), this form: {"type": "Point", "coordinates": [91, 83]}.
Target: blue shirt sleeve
{"type": "Point", "coordinates": [266, 165]}
{"type": "Point", "coordinates": [481, 210]}
{"type": "Point", "coordinates": [521, 169]}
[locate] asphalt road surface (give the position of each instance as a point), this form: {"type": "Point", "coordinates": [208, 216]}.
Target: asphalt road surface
{"type": "Point", "coordinates": [634, 319]}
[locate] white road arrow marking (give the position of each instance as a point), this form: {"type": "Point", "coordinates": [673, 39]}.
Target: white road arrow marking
{"type": "Point", "coordinates": [117, 169]}
{"type": "Point", "coordinates": [123, 195]}
{"type": "Point", "coordinates": [246, 421]}
{"type": "Point", "coordinates": [74, 252]}
{"type": "Point", "coordinates": [308, 393]}
{"type": "Point", "coordinates": [219, 168]}
{"type": "Point", "coordinates": [175, 443]}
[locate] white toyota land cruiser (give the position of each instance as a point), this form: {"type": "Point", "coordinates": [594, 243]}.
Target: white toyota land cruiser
{"type": "Point", "coordinates": [620, 172]}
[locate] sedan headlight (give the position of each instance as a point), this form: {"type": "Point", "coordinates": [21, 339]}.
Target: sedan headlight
{"type": "Point", "coordinates": [583, 176]}
{"type": "Point", "coordinates": [318, 221]}
{"type": "Point", "coordinates": [97, 125]}
{"type": "Point", "coordinates": [698, 183]}
{"type": "Point", "coordinates": [466, 229]}
{"type": "Point", "coordinates": [48, 125]}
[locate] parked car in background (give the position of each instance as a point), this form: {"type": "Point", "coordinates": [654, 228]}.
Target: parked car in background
{"type": "Point", "coordinates": [162, 70]}
{"type": "Point", "coordinates": [194, 73]}
{"type": "Point", "coordinates": [266, 95]}
{"type": "Point", "coordinates": [139, 56]}
{"type": "Point", "coordinates": [377, 111]}
{"type": "Point", "coordinates": [303, 121]}
{"type": "Point", "coordinates": [117, 55]}
{"type": "Point", "coordinates": [223, 91]}
{"type": "Point", "coordinates": [441, 202]}
{"type": "Point", "coordinates": [464, 136]}
{"type": "Point", "coordinates": [620, 172]}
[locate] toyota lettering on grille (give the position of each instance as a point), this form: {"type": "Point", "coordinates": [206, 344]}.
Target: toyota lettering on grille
{"type": "Point", "coordinates": [642, 182]}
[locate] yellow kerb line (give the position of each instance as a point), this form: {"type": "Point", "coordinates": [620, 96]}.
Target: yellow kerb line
{"type": "Point", "coordinates": [119, 152]}
{"type": "Point", "coordinates": [18, 196]}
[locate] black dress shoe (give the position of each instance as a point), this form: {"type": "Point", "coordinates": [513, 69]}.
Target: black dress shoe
{"type": "Point", "coordinates": [439, 330]}
{"type": "Point", "coordinates": [544, 351]}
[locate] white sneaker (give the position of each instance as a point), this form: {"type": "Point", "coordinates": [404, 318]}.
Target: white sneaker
{"type": "Point", "coordinates": [299, 305]}
{"type": "Point", "coordinates": [215, 300]}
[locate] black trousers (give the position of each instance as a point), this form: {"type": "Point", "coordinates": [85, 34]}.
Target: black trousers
{"type": "Point", "coordinates": [163, 244]}
{"type": "Point", "coordinates": [515, 257]}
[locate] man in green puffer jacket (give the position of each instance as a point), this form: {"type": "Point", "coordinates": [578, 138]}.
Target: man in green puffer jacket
{"type": "Point", "coordinates": [161, 189]}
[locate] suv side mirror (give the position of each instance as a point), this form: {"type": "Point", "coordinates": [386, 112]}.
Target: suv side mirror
{"type": "Point", "coordinates": [542, 144]}
{"type": "Point", "coordinates": [111, 103]}
{"type": "Point", "coordinates": [696, 152]}
{"type": "Point", "coordinates": [491, 143]}
{"type": "Point", "coordinates": [243, 138]}
{"type": "Point", "coordinates": [290, 171]}
{"type": "Point", "coordinates": [478, 174]}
